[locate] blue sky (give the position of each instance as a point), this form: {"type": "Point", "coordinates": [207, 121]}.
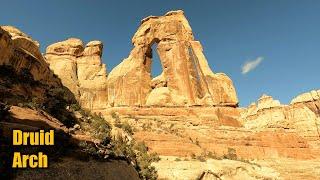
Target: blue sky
{"type": "Point", "coordinates": [284, 34]}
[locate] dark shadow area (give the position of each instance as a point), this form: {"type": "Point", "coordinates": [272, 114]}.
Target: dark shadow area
{"type": "Point", "coordinates": [19, 88]}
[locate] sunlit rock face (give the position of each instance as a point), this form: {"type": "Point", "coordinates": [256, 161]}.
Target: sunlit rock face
{"type": "Point", "coordinates": [186, 79]}
{"type": "Point", "coordinates": [81, 70]}
{"type": "Point", "coordinates": [19, 51]}
{"type": "Point", "coordinates": [301, 116]}
{"type": "Point", "coordinates": [310, 99]}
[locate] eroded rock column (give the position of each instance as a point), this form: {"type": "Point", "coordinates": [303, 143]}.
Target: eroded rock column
{"type": "Point", "coordinates": [81, 70]}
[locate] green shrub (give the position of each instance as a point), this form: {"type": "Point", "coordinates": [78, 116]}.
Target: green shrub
{"type": "Point", "coordinates": [123, 125]}
{"type": "Point", "coordinates": [75, 107]}
{"type": "Point", "coordinates": [144, 160]}
{"type": "Point", "coordinates": [95, 124]}
{"type": "Point", "coordinates": [193, 156]}
{"type": "Point", "coordinates": [115, 116]}
{"type": "Point", "coordinates": [137, 154]}
{"type": "Point", "coordinates": [101, 127]}
{"type": "Point", "coordinates": [213, 155]}
{"type": "Point", "coordinates": [201, 158]}
{"type": "Point", "coordinates": [231, 154]}
{"type": "Point", "coordinates": [4, 111]}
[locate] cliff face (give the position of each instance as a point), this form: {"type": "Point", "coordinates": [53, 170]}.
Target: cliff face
{"type": "Point", "coordinates": [282, 139]}
{"type": "Point", "coordinates": [300, 116]}
{"type": "Point", "coordinates": [81, 70]}
{"type": "Point", "coordinates": [21, 52]}
{"type": "Point", "coordinates": [24, 74]}
{"type": "Point", "coordinates": [32, 98]}
{"type": "Point", "coordinates": [310, 99]}
{"type": "Point", "coordinates": [186, 79]}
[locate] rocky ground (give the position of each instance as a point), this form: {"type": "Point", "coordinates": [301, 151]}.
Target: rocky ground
{"type": "Point", "coordinates": [273, 140]}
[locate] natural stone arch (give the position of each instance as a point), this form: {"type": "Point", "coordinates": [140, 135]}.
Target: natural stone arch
{"type": "Point", "coordinates": [149, 55]}
{"type": "Point", "coordinates": [186, 79]}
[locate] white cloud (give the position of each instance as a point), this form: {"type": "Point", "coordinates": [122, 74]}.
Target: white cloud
{"type": "Point", "coordinates": [250, 65]}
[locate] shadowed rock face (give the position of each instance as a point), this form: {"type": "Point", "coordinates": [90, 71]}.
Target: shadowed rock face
{"type": "Point", "coordinates": [81, 70]}
{"type": "Point", "coordinates": [21, 52]}
{"type": "Point", "coordinates": [186, 79]}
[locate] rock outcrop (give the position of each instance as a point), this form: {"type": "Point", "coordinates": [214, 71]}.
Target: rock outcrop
{"type": "Point", "coordinates": [264, 102]}
{"type": "Point", "coordinates": [301, 116]}
{"type": "Point", "coordinates": [211, 169]}
{"type": "Point", "coordinates": [186, 79]}
{"type": "Point", "coordinates": [310, 99]}
{"type": "Point", "coordinates": [81, 70]}
{"type": "Point", "coordinates": [19, 51]}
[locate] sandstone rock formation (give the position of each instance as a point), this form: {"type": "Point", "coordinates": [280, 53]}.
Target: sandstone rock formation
{"type": "Point", "coordinates": [301, 116]}
{"type": "Point", "coordinates": [18, 50]}
{"type": "Point", "coordinates": [279, 136]}
{"type": "Point", "coordinates": [186, 79]}
{"type": "Point", "coordinates": [187, 114]}
{"type": "Point", "coordinates": [313, 95]}
{"type": "Point", "coordinates": [32, 98]}
{"type": "Point", "coordinates": [310, 99]}
{"type": "Point", "coordinates": [81, 70]}
{"type": "Point", "coordinates": [212, 170]}
{"type": "Point", "coordinates": [264, 102]}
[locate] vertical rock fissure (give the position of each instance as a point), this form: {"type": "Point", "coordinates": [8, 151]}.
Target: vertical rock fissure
{"type": "Point", "coordinates": [198, 69]}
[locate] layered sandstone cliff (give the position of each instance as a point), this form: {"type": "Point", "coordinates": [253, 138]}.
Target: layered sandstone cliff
{"type": "Point", "coordinates": [186, 79]}
{"type": "Point", "coordinates": [32, 98]}
{"type": "Point", "coordinates": [81, 70]}
{"type": "Point", "coordinates": [310, 99]}
{"type": "Point", "coordinates": [301, 116]}
{"type": "Point", "coordinates": [18, 50]}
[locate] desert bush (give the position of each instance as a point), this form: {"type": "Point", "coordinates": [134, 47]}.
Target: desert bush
{"type": "Point", "coordinates": [147, 126]}
{"type": "Point", "coordinates": [144, 160]}
{"type": "Point", "coordinates": [75, 107]}
{"type": "Point", "coordinates": [95, 124]}
{"type": "Point", "coordinates": [231, 154]}
{"type": "Point", "coordinates": [122, 125]}
{"type": "Point", "coordinates": [27, 77]}
{"type": "Point", "coordinates": [101, 127]}
{"type": "Point", "coordinates": [115, 115]}
{"type": "Point", "coordinates": [193, 156]}
{"type": "Point", "coordinates": [4, 111]}
{"type": "Point", "coordinates": [11, 76]}
{"type": "Point", "coordinates": [34, 103]}
{"type": "Point", "coordinates": [56, 102]}
{"type": "Point", "coordinates": [125, 126]}
{"type": "Point", "coordinates": [201, 158]}
{"type": "Point", "coordinates": [133, 117]}
{"type": "Point", "coordinates": [137, 154]}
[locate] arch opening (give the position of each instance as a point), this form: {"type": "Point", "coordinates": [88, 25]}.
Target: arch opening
{"type": "Point", "coordinates": [156, 66]}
